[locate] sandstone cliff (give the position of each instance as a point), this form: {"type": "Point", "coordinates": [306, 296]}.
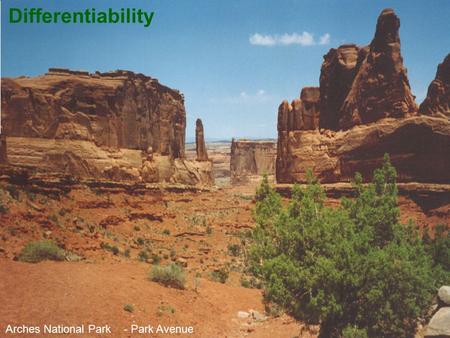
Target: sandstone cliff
{"type": "Point", "coordinates": [117, 109]}
{"type": "Point", "coordinates": [117, 126]}
{"type": "Point", "coordinates": [419, 148]}
{"type": "Point", "coordinates": [251, 158]}
{"type": "Point", "coordinates": [437, 101]}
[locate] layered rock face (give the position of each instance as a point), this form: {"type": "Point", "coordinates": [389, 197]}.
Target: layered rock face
{"type": "Point", "coordinates": [366, 109]}
{"type": "Point", "coordinates": [251, 158]}
{"type": "Point", "coordinates": [419, 148]}
{"type": "Point", "coordinates": [116, 126]}
{"type": "Point", "coordinates": [117, 109]}
{"type": "Point", "coordinates": [437, 101]}
{"type": "Point", "coordinates": [381, 87]}
{"type": "Point", "coordinates": [200, 145]}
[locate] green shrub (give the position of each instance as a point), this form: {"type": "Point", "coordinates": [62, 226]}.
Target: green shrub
{"type": "Point", "coordinates": [143, 255]}
{"type": "Point", "coordinates": [220, 275]}
{"type": "Point", "coordinates": [140, 241]}
{"type": "Point", "coordinates": [39, 251]}
{"type": "Point", "coordinates": [354, 332]}
{"type": "Point", "coordinates": [352, 266]}
{"type": "Point", "coordinates": [171, 275]}
{"type": "Point", "coordinates": [128, 308]}
{"type": "Point", "coordinates": [166, 232]}
{"type": "Point", "coordinates": [112, 248]}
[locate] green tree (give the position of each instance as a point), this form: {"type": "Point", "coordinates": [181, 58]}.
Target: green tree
{"type": "Point", "coordinates": [352, 268]}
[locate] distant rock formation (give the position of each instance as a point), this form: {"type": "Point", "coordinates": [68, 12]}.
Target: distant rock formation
{"type": "Point", "coordinates": [363, 109]}
{"type": "Point", "coordinates": [381, 87]}
{"type": "Point", "coordinates": [437, 101]}
{"type": "Point", "coordinates": [200, 145]}
{"type": "Point", "coordinates": [251, 158]}
{"type": "Point", "coordinates": [115, 126]}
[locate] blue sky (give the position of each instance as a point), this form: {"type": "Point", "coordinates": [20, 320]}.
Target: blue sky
{"type": "Point", "coordinates": [234, 60]}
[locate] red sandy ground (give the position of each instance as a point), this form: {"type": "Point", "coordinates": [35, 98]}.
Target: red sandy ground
{"type": "Point", "coordinates": [196, 229]}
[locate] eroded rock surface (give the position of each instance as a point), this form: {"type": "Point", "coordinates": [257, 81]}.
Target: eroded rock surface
{"type": "Point", "coordinates": [419, 148]}
{"type": "Point", "coordinates": [118, 109]}
{"type": "Point", "coordinates": [336, 77]}
{"type": "Point", "coordinates": [366, 109]}
{"type": "Point", "coordinates": [118, 126]}
{"type": "Point", "coordinates": [381, 87]}
{"type": "Point", "coordinates": [437, 101]}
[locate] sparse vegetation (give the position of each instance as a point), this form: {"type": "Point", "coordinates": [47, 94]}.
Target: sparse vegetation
{"type": "Point", "coordinates": [143, 256]}
{"type": "Point", "coordinates": [166, 232]}
{"type": "Point", "coordinates": [165, 309]}
{"type": "Point", "coordinates": [354, 269]}
{"type": "Point", "coordinates": [171, 275]}
{"type": "Point", "coordinates": [128, 308]}
{"type": "Point", "coordinates": [220, 275]}
{"type": "Point", "coordinates": [39, 251]}
{"type": "Point", "coordinates": [112, 248]}
{"type": "Point", "coordinates": [234, 249]}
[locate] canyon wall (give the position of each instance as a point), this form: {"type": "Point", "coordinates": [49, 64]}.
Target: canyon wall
{"type": "Point", "coordinates": [251, 158]}
{"type": "Point", "coordinates": [117, 126]}
{"type": "Point", "coordinates": [364, 108]}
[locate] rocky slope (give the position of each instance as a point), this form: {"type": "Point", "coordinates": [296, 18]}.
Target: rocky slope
{"type": "Point", "coordinates": [366, 109]}
{"type": "Point", "coordinates": [118, 125]}
{"type": "Point", "coordinates": [251, 158]}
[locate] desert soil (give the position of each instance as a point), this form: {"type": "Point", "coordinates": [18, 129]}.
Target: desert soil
{"type": "Point", "coordinates": [194, 229]}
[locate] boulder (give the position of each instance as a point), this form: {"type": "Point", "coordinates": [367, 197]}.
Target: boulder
{"type": "Point", "coordinates": [439, 326]}
{"type": "Point", "coordinates": [444, 295]}
{"type": "Point", "coordinates": [437, 101]}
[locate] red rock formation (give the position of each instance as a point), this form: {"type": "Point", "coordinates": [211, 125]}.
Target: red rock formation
{"type": "Point", "coordinates": [251, 158]}
{"type": "Point", "coordinates": [437, 101]}
{"type": "Point", "coordinates": [116, 126]}
{"type": "Point", "coordinates": [119, 109]}
{"type": "Point", "coordinates": [200, 145]}
{"type": "Point", "coordinates": [336, 77]}
{"type": "Point", "coordinates": [381, 87]}
{"type": "Point", "coordinates": [366, 93]}
{"type": "Point", "coordinates": [419, 147]}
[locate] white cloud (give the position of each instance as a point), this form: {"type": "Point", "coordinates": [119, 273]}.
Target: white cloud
{"type": "Point", "coordinates": [324, 39]}
{"type": "Point", "coordinates": [303, 39]}
{"type": "Point", "coordinates": [262, 40]}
